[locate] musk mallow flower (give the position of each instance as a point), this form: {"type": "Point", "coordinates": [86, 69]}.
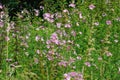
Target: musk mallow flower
{"type": "Point", "coordinates": [63, 63]}
{"type": "Point", "coordinates": [36, 12]}
{"type": "Point", "coordinates": [1, 24]}
{"type": "Point", "coordinates": [91, 7]}
{"type": "Point", "coordinates": [72, 5]}
{"type": "Point", "coordinates": [7, 38]}
{"type": "Point", "coordinates": [1, 6]}
{"type": "Point", "coordinates": [108, 22]}
{"type": "Point", "coordinates": [37, 38]}
{"type": "Point", "coordinates": [67, 25]}
{"type": "Point", "coordinates": [58, 25]}
{"type": "Point", "coordinates": [87, 64]}
{"type": "Point", "coordinates": [73, 75]}
{"type": "Point", "coordinates": [65, 11]}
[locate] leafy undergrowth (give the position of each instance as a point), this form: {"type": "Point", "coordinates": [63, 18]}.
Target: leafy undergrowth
{"type": "Point", "coordinates": [81, 42]}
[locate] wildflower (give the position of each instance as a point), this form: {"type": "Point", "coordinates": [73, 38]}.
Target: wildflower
{"type": "Point", "coordinates": [67, 77]}
{"type": "Point", "coordinates": [73, 33]}
{"type": "Point", "coordinates": [109, 54]}
{"type": "Point", "coordinates": [67, 25]}
{"type": "Point", "coordinates": [50, 57]}
{"type": "Point", "coordinates": [37, 38]}
{"type": "Point", "coordinates": [80, 32]}
{"type": "Point", "coordinates": [96, 23]}
{"type": "Point", "coordinates": [48, 41]}
{"type": "Point", "coordinates": [79, 58]}
{"type": "Point", "coordinates": [1, 24]}
{"type": "Point", "coordinates": [36, 12]}
{"type": "Point", "coordinates": [58, 25]}
{"type": "Point", "coordinates": [72, 60]}
{"type": "Point", "coordinates": [38, 51]}
{"type": "Point", "coordinates": [65, 11]}
{"type": "Point", "coordinates": [7, 38]}
{"type": "Point", "coordinates": [46, 15]}
{"type": "Point", "coordinates": [91, 6]}
{"type": "Point", "coordinates": [72, 5]}
{"type": "Point", "coordinates": [42, 7]}
{"type": "Point", "coordinates": [58, 15]}
{"type": "Point", "coordinates": [27, 36]}
{"type": "Point", "coordinates": [63, 63]}
{"type": "Point", "coordinates": [108, 22]}
{"type": "Point", "coordinates": [87, 64]}
{"type": "Point", "coordinates": [73, 75]}
{"type": "Point", "coordinates": [54, 36]}
{"type": "Point", "coordinates": [80, 15]}
{"type": "Point", "coordinates": [1, 7]}
{"type": "Point", "coordinates": [50, 20]}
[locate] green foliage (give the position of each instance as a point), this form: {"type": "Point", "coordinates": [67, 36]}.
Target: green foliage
{"type": "Point", "coordinates": [88, 41]}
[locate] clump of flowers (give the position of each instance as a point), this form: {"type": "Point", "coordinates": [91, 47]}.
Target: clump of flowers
{"type": "Point", "coordinates": [49, 17]}
{"type": "Point", "coordinates": [67, 25]}
{"type": "Point", "coordinates": [73, 75]}
{"type": "Point", "coordinates": [63, 63]}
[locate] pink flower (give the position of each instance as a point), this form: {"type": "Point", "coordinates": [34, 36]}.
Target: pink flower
{"type": "Point", "coordinates": [58, 15]}
{"type": "Point", "coordinates": [73, 74]}
{"type": "Point", "coordinates": [72, 5]}
{"type": "Point", "coordinates": [50, 20]}
{"type": "Point", "coordinates": [1, 24]}
{"type": "Point", "coordinates": [58, 25]}
{"type": "Point", "coordinates": [73, 33]}
{"type": "Point", "coordinates": [96, 23]}
{"type": "Point", "coordinates": [109, 54]}
{"type": "Point", "coordinates": [87, 64]}
{"type": "Point", "coordinates": [37, 38]}
{"type": "Point", "coordinates": [66, 11]}
{"type": "Point", "coordinates": [91, 6]}
{"type": "Point", "coordinates": [54, 36]}
{"type": "Point", "coordinates": [48, 41]}
{"type": "Point", "coordinates": [42, 7]}
{"type": "Point", "coordinates": [108, 22]}
{"type": "Point", "coordinates": [1, 6]}
{"type": "Point", "coordinates": [7, 38]}
{"type": "Point", "coordinates": [67, 77]}
{"type": "Point", "coordinates": [38, 51]}
{"type": "Point", "coordinates": [36, 12]}
{"type": "Point", "coordinates": [63, 63]}
{"type": "Point", "coordinates": [67, 25]}
{"type": "Point", "coordinates": [46, 15]}
{"type": "Point", "coordinates": [79, 58]}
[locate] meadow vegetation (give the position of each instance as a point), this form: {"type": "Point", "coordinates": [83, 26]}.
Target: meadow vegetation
{"type": "Point", "coordinates": [61, 40]}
